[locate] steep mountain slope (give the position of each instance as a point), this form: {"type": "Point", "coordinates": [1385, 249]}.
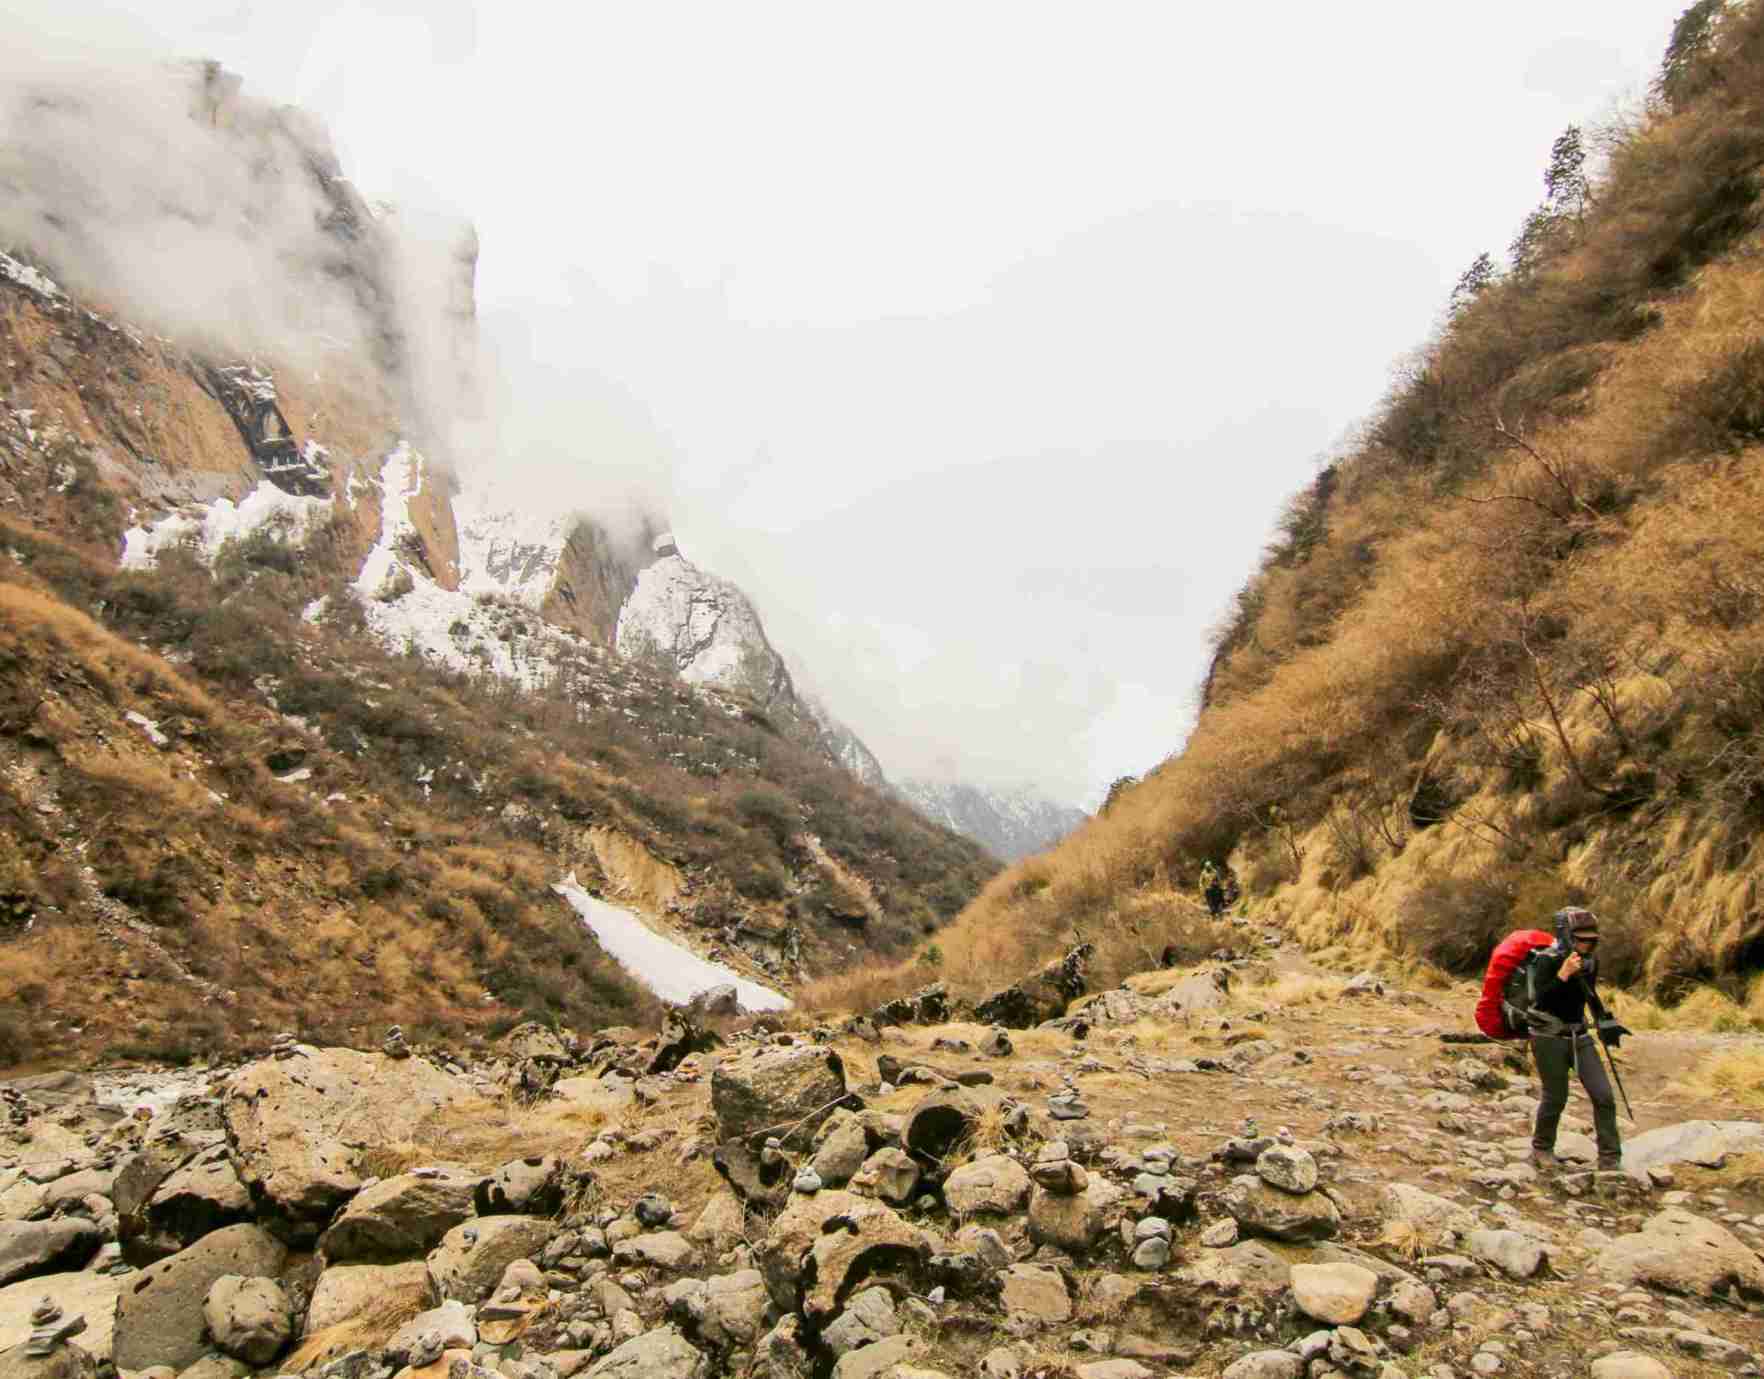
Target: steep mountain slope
{"type": "Point", "coordinates": [704, 629]}
{"type": "Point", "coordinates": [1008, 823]}
{"type": "Point", "coordinates": [1507, 651]}
{"type": "Point", "coordinates": [295, 731]}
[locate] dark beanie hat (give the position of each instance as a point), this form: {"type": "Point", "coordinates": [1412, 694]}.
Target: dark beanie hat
{"type": "Point", "coordinates": [1579, 921]}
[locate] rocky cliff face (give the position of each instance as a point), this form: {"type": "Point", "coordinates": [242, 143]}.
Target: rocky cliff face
{"type": "Point", "coordinates": [707, 631]}
{"type": "Point", "coordinates": [1009, 822]}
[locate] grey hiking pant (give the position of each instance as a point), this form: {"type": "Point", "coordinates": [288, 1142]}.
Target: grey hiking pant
{"type": "Point", "coordinates": [1556, 1056]}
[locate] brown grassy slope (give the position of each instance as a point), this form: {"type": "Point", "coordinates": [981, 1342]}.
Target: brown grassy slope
{"type": "Point", "coordinates": [410, 872]}
{"type": "Point", "coordinates": [167, 901]}
{"type": "Point", "coordinates": [1509, 651]}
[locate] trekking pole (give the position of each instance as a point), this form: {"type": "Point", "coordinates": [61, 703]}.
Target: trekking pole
{"type": "Point", "coordinates": [1607, 1058]}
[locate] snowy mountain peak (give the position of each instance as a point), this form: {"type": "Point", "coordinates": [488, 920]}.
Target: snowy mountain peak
{"type": "Point", "coordinates": [1009, 821]}
{"type": "Point", "coordinates": [704, 628]}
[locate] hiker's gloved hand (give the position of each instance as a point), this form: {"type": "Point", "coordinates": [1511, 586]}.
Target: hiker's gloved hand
{"type": "Point", "coordinates": [1610, 1033]}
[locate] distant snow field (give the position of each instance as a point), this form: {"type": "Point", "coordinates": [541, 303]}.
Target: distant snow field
{"type": "Point", "coordinates": [673, 972]}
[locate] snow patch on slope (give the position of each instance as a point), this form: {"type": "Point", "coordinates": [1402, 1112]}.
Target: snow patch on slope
{"type": "Point", "coordinates": [209, 526]}
{"type": "Point", "coordinates": [30, 279]}
{"type": "Point", "coordinates": [408, 611]}
{"type": "Point", "coordinates": [401, 479]}
{"type": "Point", "coordinates": [505, 549]}
{"type": "Point", "coordinates": [673, 972]}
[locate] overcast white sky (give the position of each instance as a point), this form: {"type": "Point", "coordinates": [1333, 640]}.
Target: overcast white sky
{"type": "Point", "coordinates": [986, 338]}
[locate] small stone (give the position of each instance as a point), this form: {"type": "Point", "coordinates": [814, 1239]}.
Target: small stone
{"type": "Point", "coordinates": [1266, 1364]}
{"type": "Point", "coordinates": [1287, 1168]}
{"type": "Point", "coordinates": [807, 1181]}
{"type": "Point", "coordinates": [654, 1210]}
{"type": "Point", "coordinates": [1151, 1254]}
{"type": "Point", "coordinates": [1629, 1364]}
{"type": "Point", "coordinates": [1220, 1234]}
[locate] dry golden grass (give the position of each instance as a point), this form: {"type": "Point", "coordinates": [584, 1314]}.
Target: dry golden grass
{"type": "Point", "coordinates": [485, 1133]}
{"type": "Point", "coordinates": [1289, 989]}
{"type": "Point", "coordinates": [126, 670]}
{"type": "Point", "coordinates": [368, 1329]}
{"type": "Point", "coordinates": [1735, 1077]}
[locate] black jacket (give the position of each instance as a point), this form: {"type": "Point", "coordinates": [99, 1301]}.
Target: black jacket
{"type": "Point", "coordinates": [1567, 1000]}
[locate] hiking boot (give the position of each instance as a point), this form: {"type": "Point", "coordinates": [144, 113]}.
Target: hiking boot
{"type": "Point", "coordinates": [1610, 1163]}
{"type": "Point", "coordinates": [1544, 1161]}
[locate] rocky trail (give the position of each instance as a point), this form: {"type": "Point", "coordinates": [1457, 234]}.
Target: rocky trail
{"type": "Point", "coordinates": [1253, 1169]}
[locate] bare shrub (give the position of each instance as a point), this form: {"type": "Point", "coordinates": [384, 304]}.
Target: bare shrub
{"type": "Point", "coordinates": [1455, 921]}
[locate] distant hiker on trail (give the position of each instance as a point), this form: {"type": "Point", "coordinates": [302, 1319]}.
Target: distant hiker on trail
{"type": "Point", "coordinates": [1558, 986]}
{"type": "Point", "coordinates": [1212, 889]}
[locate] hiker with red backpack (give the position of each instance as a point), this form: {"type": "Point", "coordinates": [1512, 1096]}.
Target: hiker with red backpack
{"type": "Point", "coordinates": [1539, 986]}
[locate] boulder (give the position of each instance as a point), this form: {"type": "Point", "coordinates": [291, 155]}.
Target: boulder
{"type": "Point", "coordinates": [400, 1217]}
{"type": "Point", "coordinates": [1288, 1168]}
{"type": "Point", "coordinates": [1421, 1222]}
{"type": "Point", "coordinates": [656, 1249]}
{"type": "Point", "coordinates": [840, 1149]}
{"type": "Point", "coordinates": [447, 1327]}
{"type": "Point", "coordinates": [68, 1191]}
{"type": "Point", "coordinates": [1122, 1367]}
{"type": "Point", "coordinates": [785, 1091]}
{"type": "Point", "coordinates": [1249, 1268]}
{"type": "Point", "coordinates": [721, 1224]}
{"type": "Point", "coordinates": [781, 1353]}
{"type": "Point", "coordinates": [346, 1291]}
{"type": "Point", "coordinates": [875, 1360]}
{"type": "Point", "coordinates": [929, 1005]}
{"type": "Point", "coordinates": [660, 1354]}
{"type": "Point", "coordinates": [1266, 1364]}
{"type": "Point", "coordinates": [1277, 1214]}
{"type": "Point", "coordinates": [533, 1186]}
{"type": "Point", "coordinates": [64, 1362]}
{"type": "Point", "coordinates": [1337, 1294]}
{"type": "Point", "coordinates": [89, 1295]}
{"type": "Point", "coordinates": [199, 1196]}
{"type": "Point", "coordinates": [1515, 1254]}
{"type": "Point", "coordinates": [941, 1121]}
{"type": "Point", "coordinates": [1683, 1253]}
{"type": "Point", "coordinates": [868, 1317]}
{"type": "Point", "coordinates": [995, 1183]}
{"type": "Point", "coordinates": [249, 1318]}
{"type": "Point", "coordinates": [28, 1248]}
{"type": "Point", "coordinates": [530, 1039]}
{"type": "Point", "coordinates": [1703, 1142]}
{"type": "Point", "coordinates": [469, 1261]}
{"type": "Point", "coordinates": [749, 1174]}
{"type": "Point", "coordinates": [725, 1311]}
{"type": "Point", "coordinates": [890, 1174]}
{"type": "Point", "coordinates": [20, 1198]}
{"type": "Point", "coordinates": [1629, 1364]}
{"type": "Point", "coordinates": [174, 1138]}
{"type": "Point", "coordinates": [681, 1037]}
{"type": "Point", "coordinates": [1037, 1291]}
{"type": "Point", "coordinates": [1043, 996]}
{"type": "Point", "coordinates": [1074, 1222]}
{"type": "Point", "coordinates": [818, 1242]}
{"type": "Point", "coordinates": [159, 1313]}
{"type": "Point", "coordinates": [297, 1124]}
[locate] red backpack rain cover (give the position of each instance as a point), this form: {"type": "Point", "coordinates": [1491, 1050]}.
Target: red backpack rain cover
{"type": "Point", "coordinates": [1508, 954]}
